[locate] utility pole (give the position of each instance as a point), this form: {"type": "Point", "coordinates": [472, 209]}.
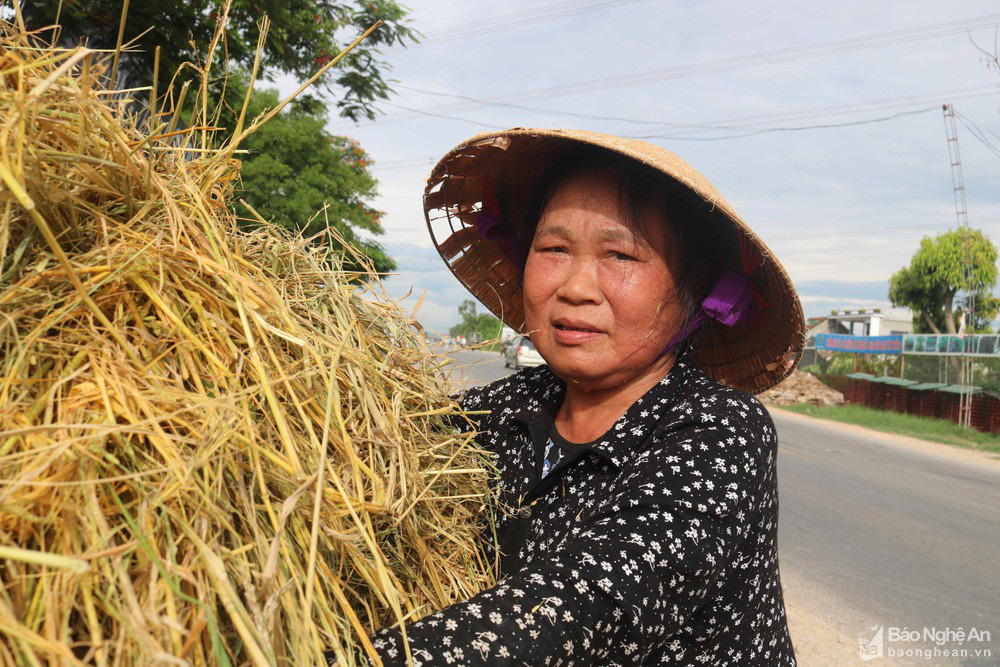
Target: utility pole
{"type": "Point", "coordinates": [962, 217]}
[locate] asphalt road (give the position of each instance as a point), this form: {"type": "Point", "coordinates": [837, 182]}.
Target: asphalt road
{"type": "Point", "coordinates": [874, 532]}
{"type": "Point", "coordinates": [890, 535]}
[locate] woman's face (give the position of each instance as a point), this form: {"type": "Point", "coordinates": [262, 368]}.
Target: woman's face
{"type": "Point", "coordinates": [600, 301]}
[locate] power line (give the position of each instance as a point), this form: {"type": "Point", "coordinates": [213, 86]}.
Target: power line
{"type": "Point", "coordinates": [881, 247]}
{"type": "Point", "coordinates": [858, 107]}
{"type": "Point", "coordinates": [977, 133]}
{"type": "Point", "coordinates": [502, 22]}
{"type": "Point", "coordinates": [767, 130]}
{"type": "Point", "coordinates": [992, 222]}
{"type": "Point", "coordinates": [448, 22]}
{"type": "Point", "coordinates": [840, 260]}
{"type": "Point", "coordinates": [882, 250]}
{"type": "Point", "coordinates": [559, 112]}
{"type": "Point", "coordinates": [885, 103]}
{"type": "Point", "coordinates": [747, 121]}
{"type": "Point", "coordinates": [446, 117]}
{"type": "Point", "coordinates": [826, 257]}
{"type": "Point", "coordinates": [727, 64]}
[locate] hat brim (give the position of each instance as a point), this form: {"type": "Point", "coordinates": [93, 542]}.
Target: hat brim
{"type": "Point", "coordinates": [752, 356]}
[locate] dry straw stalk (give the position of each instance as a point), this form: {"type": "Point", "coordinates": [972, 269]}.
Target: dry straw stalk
{"type": "Point", "coordinates": [215, 448]}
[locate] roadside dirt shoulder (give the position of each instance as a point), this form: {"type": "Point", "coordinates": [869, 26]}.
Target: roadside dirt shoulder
{"type": "Point", "coordinates": [824, 629]}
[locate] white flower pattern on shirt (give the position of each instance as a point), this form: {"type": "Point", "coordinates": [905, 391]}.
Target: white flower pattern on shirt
{"type": "Point", "coordinates": [655, 545]}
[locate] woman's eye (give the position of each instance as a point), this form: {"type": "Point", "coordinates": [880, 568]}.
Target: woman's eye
{"type": "Point", "coordinates": [622, 256]}
{"type": "Point", "coordinates": [555, 248]}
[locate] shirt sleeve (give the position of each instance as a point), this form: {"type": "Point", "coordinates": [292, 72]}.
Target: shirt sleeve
{"type": "Point", "coordinates": [629, 578]}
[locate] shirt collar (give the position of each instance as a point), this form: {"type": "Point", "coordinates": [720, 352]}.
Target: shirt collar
{"type": "Point", "coordinates": [616, 445]}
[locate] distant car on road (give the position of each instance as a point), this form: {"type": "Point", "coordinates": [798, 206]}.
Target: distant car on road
{"type": "Point", "coordinates": [521, 353]}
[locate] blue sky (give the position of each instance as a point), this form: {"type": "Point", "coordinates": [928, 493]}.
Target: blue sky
{"type": "Point", "coordinates": [841, 207]}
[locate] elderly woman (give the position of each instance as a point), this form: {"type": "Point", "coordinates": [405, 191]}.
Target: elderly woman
{"type": "Point", "coordinates": [635, 470]}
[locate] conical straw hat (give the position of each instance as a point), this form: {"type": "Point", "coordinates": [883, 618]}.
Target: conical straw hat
{"type": "Point", "coordinates": [752, 355]}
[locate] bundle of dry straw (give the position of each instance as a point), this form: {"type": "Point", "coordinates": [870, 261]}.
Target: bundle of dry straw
{"type": "Point", "coordinates": [214, 449]}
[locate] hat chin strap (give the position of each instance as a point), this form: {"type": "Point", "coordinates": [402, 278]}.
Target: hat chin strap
{"type": "Point", "coordinates": [730, 301]}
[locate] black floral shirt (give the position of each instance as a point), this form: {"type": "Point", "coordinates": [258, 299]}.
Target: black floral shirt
{"type": "Point", "coordinates": [655, 544]}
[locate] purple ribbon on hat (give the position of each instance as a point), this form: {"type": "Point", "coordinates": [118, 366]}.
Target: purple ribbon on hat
{"type": "Point", "coordinates": [731, 300]}
{"type": "Point", "coordinates": [491, 228]}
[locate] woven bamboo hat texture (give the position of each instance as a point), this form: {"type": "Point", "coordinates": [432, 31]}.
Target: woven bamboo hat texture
{"type": "Point", "coordinates": [750, 355]}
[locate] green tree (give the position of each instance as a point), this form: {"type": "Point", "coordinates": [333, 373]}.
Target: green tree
{"type": "Point", "coordinates": [295, 168]}
{"type": "Point", "coordinates": [304, 35]}
{"type": "Point", "coordinates": [484, 325]}
{"type": "Point", "coordinates": [930, 284]}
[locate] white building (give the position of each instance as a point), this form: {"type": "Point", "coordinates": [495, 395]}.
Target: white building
{"type": "Point", "coordinates": [862, 322]}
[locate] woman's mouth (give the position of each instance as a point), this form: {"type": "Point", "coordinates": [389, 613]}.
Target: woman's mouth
{"type": "Point", "coordinates": [563, 327]}
{"type": "Point", "coordinates": [574, 334]}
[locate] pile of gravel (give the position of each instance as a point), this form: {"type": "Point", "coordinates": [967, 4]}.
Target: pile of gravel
{"type": "Point", "coordinates": [801, 387]}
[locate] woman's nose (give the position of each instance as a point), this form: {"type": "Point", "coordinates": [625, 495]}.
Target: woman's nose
{"type": "Point", "coordinates": [581, 283]}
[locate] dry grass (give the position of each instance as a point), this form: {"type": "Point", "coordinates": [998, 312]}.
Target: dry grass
{"type": "Point", "coordinates": [214, 449]}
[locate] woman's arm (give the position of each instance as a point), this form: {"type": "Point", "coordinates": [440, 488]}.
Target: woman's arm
{"type": "Point", "coordinates": [631, 577]}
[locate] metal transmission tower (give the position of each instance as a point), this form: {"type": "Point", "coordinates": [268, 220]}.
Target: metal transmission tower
{"type": "Point", "coordinates": [962, 215]}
